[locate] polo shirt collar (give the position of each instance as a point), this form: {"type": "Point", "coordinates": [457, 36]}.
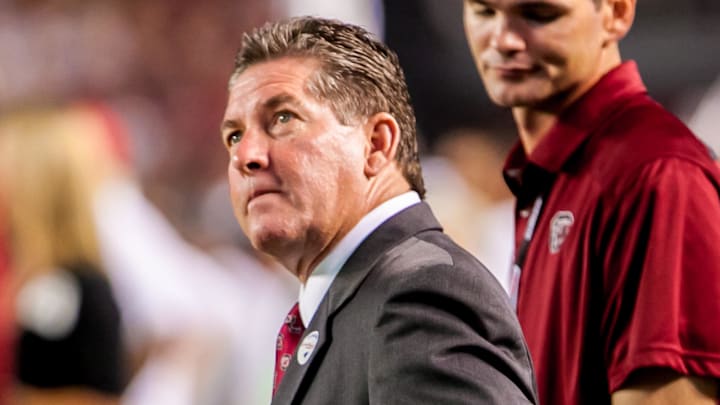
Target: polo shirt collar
{"type": "Point", "coordinates": [573, 127]}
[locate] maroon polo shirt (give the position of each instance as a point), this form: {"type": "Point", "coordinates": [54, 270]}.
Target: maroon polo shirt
{"type": "Point", "coordinates": [623, 270]}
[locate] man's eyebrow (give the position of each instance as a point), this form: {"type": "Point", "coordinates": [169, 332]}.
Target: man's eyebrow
{"type": "Point", "coordinates": [282, 98]}
{"type": "Point", "coordinates": [228, 124]}
{"type": "Point", "coordinates": [271, 103]}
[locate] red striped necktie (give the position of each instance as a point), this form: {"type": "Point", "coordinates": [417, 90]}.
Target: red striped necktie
{"type": "Point", "coordinates": [288, 337]}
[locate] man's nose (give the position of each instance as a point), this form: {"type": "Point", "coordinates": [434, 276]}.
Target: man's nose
{"type": "Point", "coordinates": [506, 37]}
{"type": "Point", "coordinates": [250, 154]}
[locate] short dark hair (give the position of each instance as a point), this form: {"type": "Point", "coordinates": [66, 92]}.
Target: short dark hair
{"type": "Point", "coordinates": [358, 74]}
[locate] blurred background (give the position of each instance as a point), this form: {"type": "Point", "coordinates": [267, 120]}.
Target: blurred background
{"type": "Point", "coordinates": [199, 309]}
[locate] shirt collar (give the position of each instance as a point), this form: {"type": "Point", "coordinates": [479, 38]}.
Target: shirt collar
{"type": "Point", "coordinates": [313, 291]}
{"type": "Point", "coordinates": [573, 127]}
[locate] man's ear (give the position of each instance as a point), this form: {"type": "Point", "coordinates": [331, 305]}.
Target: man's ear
{"type": "Point", "coordinates": [618, 18]}
{"type": "Point", "coordinates": [383, 138]}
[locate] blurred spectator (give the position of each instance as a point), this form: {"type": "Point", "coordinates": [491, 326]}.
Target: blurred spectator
{"type": "Point", "coordinates": [472, 202]}
{"type": "Point", "coordinates": [69, 349]}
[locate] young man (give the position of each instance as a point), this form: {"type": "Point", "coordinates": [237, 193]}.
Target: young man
{"type": "Point", "coordinates": [618, 218]}
{"type": "Point", "coordinates": [325, 177]}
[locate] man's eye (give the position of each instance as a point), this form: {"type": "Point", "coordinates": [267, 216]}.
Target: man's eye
{"type": "Point", "coordinates": [233, 138]}
{"type": "Point", "coordinates": [483, 10]}
{"type": "Point", "coordinates": [283, 117]}
{"type": "Point", "coordinates": [541, 15]}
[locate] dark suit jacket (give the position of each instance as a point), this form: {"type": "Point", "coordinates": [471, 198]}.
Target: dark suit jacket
{"type": "Point", "coordinates": [411, 318]}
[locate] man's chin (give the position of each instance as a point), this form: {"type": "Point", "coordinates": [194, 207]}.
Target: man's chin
{"type": "Point", "coordinates": [515, 101]}
{"type": "Point", "coordinates": [273, 242]}
{"type": "Point", "coordinates": [511, 96]}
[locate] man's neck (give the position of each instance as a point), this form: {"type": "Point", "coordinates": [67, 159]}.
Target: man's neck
{"type": "Point", "coordinates": [381, 188]}
{"type": "Point", "coordinates": [533, 126]}
{"type": "Point", "coordinates": [535, 122]}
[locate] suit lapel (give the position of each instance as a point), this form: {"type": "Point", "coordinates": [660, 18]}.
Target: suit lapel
{"type": "Point", "coordinates": [395, 230]}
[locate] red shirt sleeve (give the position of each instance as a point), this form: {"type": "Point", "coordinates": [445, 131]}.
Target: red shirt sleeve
{"type": "Point", "coordinates": [662, 273]}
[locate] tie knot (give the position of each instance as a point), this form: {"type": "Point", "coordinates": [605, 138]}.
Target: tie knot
{"type": "Point", "coordinates": [293, 322]}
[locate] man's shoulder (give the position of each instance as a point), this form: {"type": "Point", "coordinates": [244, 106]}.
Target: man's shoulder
{"type": "Point", "coordinates": [431, 259]}
{"type": "Point", "coordinates": [411, 251]}
{"type": "Point", "coordinates": [639, 133]}
{"type": "Point", "coordinates": [643, 128]}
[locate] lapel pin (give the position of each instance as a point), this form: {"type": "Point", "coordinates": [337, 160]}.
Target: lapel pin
{"type": "Point", "coordinates": [307, 347]}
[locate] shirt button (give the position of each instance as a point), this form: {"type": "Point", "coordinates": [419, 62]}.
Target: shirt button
{"type": "Point", "coordinates": [524, 213]}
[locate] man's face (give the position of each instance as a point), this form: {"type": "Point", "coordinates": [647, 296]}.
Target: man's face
{"type": "Point", "coordinates": [296, 174]}
{"type": "Point", "coordinates": [535, 53]}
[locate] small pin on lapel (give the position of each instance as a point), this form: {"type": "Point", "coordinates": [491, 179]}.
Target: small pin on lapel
{"type": "Point", "coordinates": [307, 347]}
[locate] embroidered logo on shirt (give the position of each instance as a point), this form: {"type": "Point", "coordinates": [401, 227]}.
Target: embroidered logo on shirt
{"type": "Point", "coordinates": [559, 229]}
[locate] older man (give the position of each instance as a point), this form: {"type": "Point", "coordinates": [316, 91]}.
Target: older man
{"type": "Point", "coordinates": [325, 177]}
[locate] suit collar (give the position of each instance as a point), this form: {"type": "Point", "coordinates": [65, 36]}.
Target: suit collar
{"type": "Point", "coordinates": [406, 223]}
{"type": "Point", "coordinates": [314, 289]}
{"type": "Point", "coordinates": [395, 230]}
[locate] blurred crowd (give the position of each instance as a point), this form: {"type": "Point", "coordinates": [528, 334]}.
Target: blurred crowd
{"type": "Point", "coordinates": [116, 231]}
